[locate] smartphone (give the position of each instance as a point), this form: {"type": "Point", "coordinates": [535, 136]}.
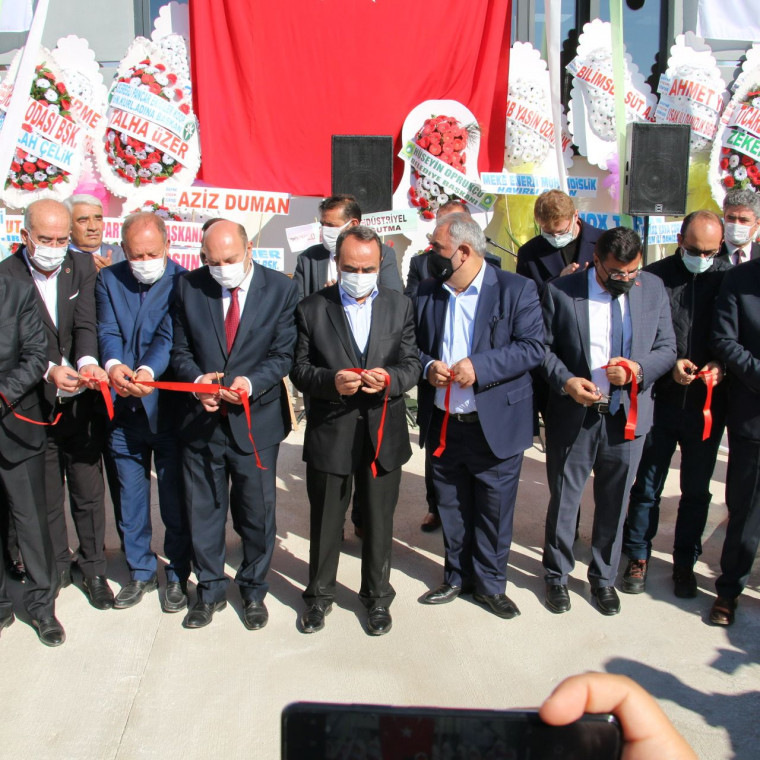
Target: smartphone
{"type": "Point", "coordinates": [321, 731]}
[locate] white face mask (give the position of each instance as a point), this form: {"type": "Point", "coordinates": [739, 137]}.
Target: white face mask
{"type": "Point", "coordinates": [695, 264]}
{"type": "Point", "coordinates": [47, 258]}
{"type": "Point", "coordinates": [563, 238]}
{"type": "Point", "coordinates": [358, 285]}
{"type": "Point", "coordinates": [330, 236]}
{"type": "Point", "coordinates": [149, 271]}
{"type": "Point", "coordinates": [230, 275]}
{"type": "Point", "coordinates": [737, 234]}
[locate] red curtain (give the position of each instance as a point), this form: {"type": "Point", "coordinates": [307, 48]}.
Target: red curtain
{"type": "Point", "coordinates": [274, 80]}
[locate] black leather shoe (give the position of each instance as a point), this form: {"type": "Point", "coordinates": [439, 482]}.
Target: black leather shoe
{"type": "Point", "coordinates": [202, 613]}
{"type": "Point", "coordinates": [430, 523]}
{"type": "Point", "coordinates": [16, 570]}
{"type": "Point", "coordinates": [684, 582]}
{"type": "Point", "coordinates": [500, 604]}
{"type": "Point", "coordinates": [50, 631]}
{"type": "Point", "coordinates": [133, 593]}
{"type": "Point", "coordinates": [607, 600]}
{"type": "Point", "coordinates": [255, 615]}
{"type": "Point", "coordinates": [442, 595]}
{"type": "Point", "coordinates": [557, 598]}
{"type": "Point", "coordinates": [313, 617]}
{"type": "Point", "coordinates": [6, 619]}
{"type": "Point", "coordinates": [379, 621]}
{"type": "Point", "coordinates": [99, 592]}
{"type": "Point", "coordinates": [635, 577]}
{"type": "Point", "coordinates": [175, 598]}
{"type": "Point", "coordinates": [64, 580]}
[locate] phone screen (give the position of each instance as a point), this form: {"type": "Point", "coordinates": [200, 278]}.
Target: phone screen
{"type": "Point", "coordinates": [316, 731]}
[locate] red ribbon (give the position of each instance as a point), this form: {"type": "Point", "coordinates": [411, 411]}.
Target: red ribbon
{"type": "Point", "coordinates": [709, 379]}
{"type": "Point", "coordinates": [193, 388]}
{"type": "Point", "coordinates": [445, 424]}
{"type": "Point", "coordinates": [381, 429]}
{"type": "Point", "coordinates": [633, 413]}
{"type": "Point", "coordinates": [27, 419]}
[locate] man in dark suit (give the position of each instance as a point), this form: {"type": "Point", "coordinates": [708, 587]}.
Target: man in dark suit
{"type": "Point", "coordinates": [736, 341]}
{"type": "Point", "coordinates": [741, 217]}
{"type": "Point", "coordinates": [65, 296]}
{"type": "Point", "coordinates": [604, 326]}
{"type": "Point", "coordinates": [316, 267]}
{"type": "Point", "coordinates": [87, 230]}
{"type": "Point", "coordinates": [565, 245]}
{"type": "Point", "coordinates": [234, 325]}
{"type": "Point", "coordinates": [354, 324]}
{"type": "Point", "coordinates": [479, 332]}
{"type": "Point", "coordinates": [418, 265]}
{"type": "Point", "coordinates": [23, 350]}
{"type": "Point", "coordinates": [134, 299]}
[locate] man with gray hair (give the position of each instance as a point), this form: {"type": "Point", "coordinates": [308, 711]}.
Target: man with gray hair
{"type": "Point", "coordinates": [479, 332]}
{"type": "Point", "coordinates": [87, 230]}
{"type": "Point", "coordinates": [741, 217]}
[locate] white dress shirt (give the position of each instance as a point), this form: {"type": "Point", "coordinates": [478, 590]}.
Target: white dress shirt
{"type": "Point", "coordinates": [738, 254]}
{"type": "Point", "coordinates": [600, 330]}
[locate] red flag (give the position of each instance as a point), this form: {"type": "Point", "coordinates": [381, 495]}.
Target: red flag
{"type": "Point", "coordinates": [274, 81]}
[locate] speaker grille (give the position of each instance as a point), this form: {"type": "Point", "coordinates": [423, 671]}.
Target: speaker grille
{"type": "Point", "coordinates": [657, 169]}
{"type": "Point", "coordinates": [362, 166]}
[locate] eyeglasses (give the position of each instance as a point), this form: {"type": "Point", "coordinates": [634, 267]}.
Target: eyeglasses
{"type": "Point", "coordinates": [619, 275]}
{"type": "Point", "coordinates": [563, 232]}
{"type": "Point", "coordinates": [697, 252]}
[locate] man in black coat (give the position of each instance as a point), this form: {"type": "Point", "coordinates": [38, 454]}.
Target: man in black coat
{"type": "Point", "coordinates": [354, 325]}
{"type": "Point", "coordinates": [692, 278]}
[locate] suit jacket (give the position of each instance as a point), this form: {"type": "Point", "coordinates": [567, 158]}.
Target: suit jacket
{"type": "Point", "coordinates": [418, 271]}
{"type": "Point", "coordinates": [22, 363]}
{"type": "Point", "coordinates": [312, 270]}
{"type": "Point", "coordinates": [754, 253]}
{"type": "Point", "coordinates": [566, 322]}
{"type": "Point", "coordinates": [138, 331]}
{"type": "Point", "coordinates": [542, 262]}
{"type": "Point", "coordinates": [325, 346]}
{"type": "Point", "coordinates": [508, 341]}
{"type": "Point", "coordinates": [262, 352]}
{"type": "Point", "coordinates": [736, 341]}
{"type": "Point", "coordinates": [75, 336]}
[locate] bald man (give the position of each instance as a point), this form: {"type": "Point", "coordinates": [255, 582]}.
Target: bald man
{"type": "Point", "coordinates": [64, 283]}
{"type": "Point", "coordinates": [234, 325]}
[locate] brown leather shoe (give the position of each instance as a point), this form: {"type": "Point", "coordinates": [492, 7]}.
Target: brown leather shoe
{"type": "Point", "coordinates": [723, 610]}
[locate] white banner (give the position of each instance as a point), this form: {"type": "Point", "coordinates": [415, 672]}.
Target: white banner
{"type": "Point", "coordinates": [302, 237]}
{"type": "Point", "coordinates": [510, 183]}
{"type": "Point", "coordinates": [15, 15]}
{"type": "Point", "coordinates": [737, 20]}
{"type": "Point", "coordinates": [392, 222]}
{"type": "Point", "coordinates": [216, 201]}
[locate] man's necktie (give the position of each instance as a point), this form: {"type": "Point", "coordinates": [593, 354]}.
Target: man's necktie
{"type": "Point", "coordinates": [232, 320]}
{"type": "Point", "coordinates": [616, 348]}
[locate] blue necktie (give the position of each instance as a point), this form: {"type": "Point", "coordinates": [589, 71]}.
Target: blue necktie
{"type": "Point", "coordinates": [616, 348]}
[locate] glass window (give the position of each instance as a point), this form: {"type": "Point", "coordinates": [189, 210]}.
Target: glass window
{"type": "Point", "coordinates": [641, 30]}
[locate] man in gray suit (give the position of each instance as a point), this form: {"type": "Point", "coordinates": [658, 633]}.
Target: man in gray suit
{"type": "Point", "coordinates": [87, 230]}
{"type": "Point", "coordinates": [741, 223]}
{"type": "Point", "coordinates": [604, 326]}
{"type": "Point", "coordinates": [316, 267]}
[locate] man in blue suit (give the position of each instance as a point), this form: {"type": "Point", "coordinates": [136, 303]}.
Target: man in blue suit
{"type": "Point", "coordinates": [603, 326]}
{"type": "Point", "coordinates": [134, 299]}
{"type": "Point", "coordinates": [479, 333]}
{"type": "Point", "coordinates": [234, 322]}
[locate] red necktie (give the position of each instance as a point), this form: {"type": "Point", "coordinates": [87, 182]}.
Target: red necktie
{"type": "Point", "coordinates": [232, 320]}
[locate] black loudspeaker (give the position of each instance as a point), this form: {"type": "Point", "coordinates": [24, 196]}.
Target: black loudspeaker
{"type": "Point", "coordinates": [362, 166]}
{"type": "Point", "coordinates": [656, 169]}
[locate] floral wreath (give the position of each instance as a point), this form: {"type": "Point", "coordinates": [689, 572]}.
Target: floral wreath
{"type": "Point", "coordinates": [444, 138]}
{"type": "Point", "coordinates": [738, 170]}
{"type": "Point", "coordinates": [136, 161]}
{"type": "Point", "coordinates": [28, 172]}
{"type": "Point", "coordinates": [164, 212]}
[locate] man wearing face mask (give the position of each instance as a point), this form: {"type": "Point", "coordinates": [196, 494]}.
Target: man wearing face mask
{"type": "Point", "coordinates": [134, 299]}
{"type": "Point", "coordinates": [234, 326]}
{"type": "Point", "coordinates": [565, 244]}
{"type": "Point", "coordinates": [741, 220]}
{"type": "Point", "coordinates": [354, 325]}
{"type": "Point", "coordinates": [316, 267]}
{"type": "Point", "coordinates": [603, 327]}
{"type": "Point", "coordinates": [692, 278]}
{"type": "Point", "coordinates": [65, 296]}
{"type": "Point", "coordinates": [479, 333]}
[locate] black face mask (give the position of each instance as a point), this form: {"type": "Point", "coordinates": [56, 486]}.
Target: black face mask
{"type": "Point", "coordinates": [618, 287]}
{"type": "Point", "coordinates": [439, 267]}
